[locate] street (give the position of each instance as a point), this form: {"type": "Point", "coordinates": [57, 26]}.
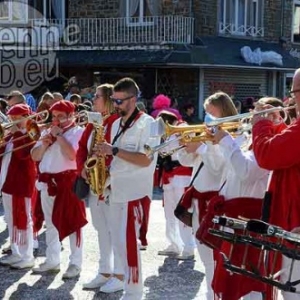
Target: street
{"type": "Point", "coordinates": [164, 277]}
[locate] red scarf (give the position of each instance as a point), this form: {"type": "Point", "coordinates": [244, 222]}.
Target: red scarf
{"type": "Point", "coordinates": [19, 219]}
{"type": "Point", "coordinates": [131, 239]}
{"type": "Point", "coordinates": [203, 199]}
{"type": "Point", "coordinates": [68, 214]}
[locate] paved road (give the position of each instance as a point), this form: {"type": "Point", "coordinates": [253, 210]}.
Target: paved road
{"type": "Point", "coordinates": [164, 278]}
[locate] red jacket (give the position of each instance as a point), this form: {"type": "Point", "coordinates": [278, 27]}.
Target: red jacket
{"type": "Point", "coordinates": [21, 174]}
{"type": "Point", "coordinates": [280, 152]}
{"type": "Point", "coordinates": [83, 150]}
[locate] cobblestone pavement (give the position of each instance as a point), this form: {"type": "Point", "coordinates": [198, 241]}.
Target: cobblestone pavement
{"type": "Point", "coordinates": [164, 278]}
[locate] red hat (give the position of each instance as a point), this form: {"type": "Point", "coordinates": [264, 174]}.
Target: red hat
{"type": "Point", "coordinates": [63, 106]}
{"type": "Point", "coordinates": [19, 110]}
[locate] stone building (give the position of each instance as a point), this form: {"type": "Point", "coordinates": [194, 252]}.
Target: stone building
{"type": "Point", "coordinates": [187, 49]}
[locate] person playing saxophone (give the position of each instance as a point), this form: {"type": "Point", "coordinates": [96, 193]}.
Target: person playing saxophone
{"type": "Point", "coordinates": [110, 273]}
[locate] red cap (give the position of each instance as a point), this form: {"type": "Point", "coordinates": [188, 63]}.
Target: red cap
{"type": "Point", "coordinates": [19, 110]}
{"type": "Point", "coordinates": [63, 106]}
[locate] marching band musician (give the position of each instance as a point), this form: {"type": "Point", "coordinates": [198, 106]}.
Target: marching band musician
{"type": "Point", "coordinates": [17, 198]}
{"type": "Point", "coordinates": [243, 192]}
{"type": "Point", "coordinates": [110, 274]}
{"type": "Point", "coordinates": [279, 152]}
{"type": "Point", "coordinates": [131, 180]}
{"type": "Point", "coordinates": [208, 162]}
{"type": "Point", "coordinates": [64, 212]}
{"type": "Point", "coordinates": [175, 178]}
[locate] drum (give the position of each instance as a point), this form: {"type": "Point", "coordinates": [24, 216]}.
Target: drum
{"type": "Point", "coordinates": [256, 248]}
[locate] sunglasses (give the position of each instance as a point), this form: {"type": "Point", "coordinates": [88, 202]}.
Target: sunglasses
{"type": "Point", "coordinates": [120, 101]}
{"type": "Point", "coordinates": [292, 93]}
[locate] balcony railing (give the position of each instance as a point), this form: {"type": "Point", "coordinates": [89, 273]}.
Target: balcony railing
{"type": "Point", "coordinates": [117, 31]}
{"type": "Point", "coordinates": [234, 29]}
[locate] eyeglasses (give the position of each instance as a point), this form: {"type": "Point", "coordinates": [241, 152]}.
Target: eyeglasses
{"type": "Point", "coordinates": [120, 101]}
{"type": "Point", "coordinates": [292, 93]}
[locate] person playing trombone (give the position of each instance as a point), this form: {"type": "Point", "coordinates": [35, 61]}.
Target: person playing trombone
{"type": "Point", "coordinates": [17, 188]}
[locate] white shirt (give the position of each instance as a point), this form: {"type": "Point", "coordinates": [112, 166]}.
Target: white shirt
{"type": "Point", "coordinates": [5, 163]}
{"type": "Point", "coordinates": [129, 181]}
{"type": "Point", "coordinates": [244, 177]}
{"type": "Point", "coordinates": [53, 160]}
{"type": "Point", "coordinates": [211, 176]}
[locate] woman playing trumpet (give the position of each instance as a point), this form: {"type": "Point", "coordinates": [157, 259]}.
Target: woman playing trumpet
{"type": "Point", "coordinates": [208, 161]}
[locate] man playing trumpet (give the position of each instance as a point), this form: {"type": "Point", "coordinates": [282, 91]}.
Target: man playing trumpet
{"type": "Point", "coordinates": [17, 198]}
{"type": "Point", "coordinates": [64, 212]}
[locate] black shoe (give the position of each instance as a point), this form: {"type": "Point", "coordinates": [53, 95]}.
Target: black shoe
{"type": "Point", "coordinates": [6, 250]}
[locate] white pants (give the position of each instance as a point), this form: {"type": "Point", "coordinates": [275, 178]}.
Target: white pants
{"type": "Point", "coordinates": [25, 251]}
{"type": "Point", "coordinates": [205, 253]}
{"type": "Point", "coordinates": [286, 263]}
{"type": "Point", "coordinates": [52, 238]}
{"type": "Point", "coordinates": [119, 211]}
{"type": "Point", "coordinates": [178, 235]}
{"type": "Point", "coordinates": [109, 262]}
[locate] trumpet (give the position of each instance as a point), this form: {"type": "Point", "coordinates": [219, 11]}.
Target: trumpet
{"type": "Point", "coordinates": [187, 134]}
{"type": "Point", "coordinates": [246, 117]}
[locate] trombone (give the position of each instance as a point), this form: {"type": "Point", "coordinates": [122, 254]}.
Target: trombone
{"type": "Point", "coordinates": [41, 118]}
{"type": "Point", "coordinates": [248, 116]}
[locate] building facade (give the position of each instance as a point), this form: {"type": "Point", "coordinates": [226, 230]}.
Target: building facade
{"type": "Point", "coordinates": [186, 49]}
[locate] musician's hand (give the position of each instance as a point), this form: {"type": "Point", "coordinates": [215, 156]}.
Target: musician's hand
{"type": "Point", "coordinates": [219, 135]}
{"type": "Point", "coordinates": [296, 230]}
{"type": "Point", "coordinates": [14, 129]}
{"type": "Point", "coordinates": [55, 131]}
{"type": "Point", "coordinates": [256, 119]}
{"type": "Point", "coordinates": [83, 174]}
{"type": "Point", "coordinates": [273, 116]}
{"type": "Point", "coordinates": [47, 140]}
{"type": "Point", "coordinates": [105, 149]}
{"type": "Point", "coordinates": [192, 147]}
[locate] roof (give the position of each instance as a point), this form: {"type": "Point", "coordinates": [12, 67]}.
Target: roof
{"type": "Point", "coordinates": [180, 55]}
{"type": "Point", "coordinates": [227, 51]}
{"type": "Point", "coordinates": [206, 52]}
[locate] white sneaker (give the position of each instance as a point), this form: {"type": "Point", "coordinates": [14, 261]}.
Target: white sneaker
{"type": "Point", "coordinates": [23, 264]}
{"type": "Point", "coordinates": [10, 260]}
{"type": "Point", "coordinates": [95, 283]}
{"type": "Point", "coordinates": [46, 268]}
{"type": "Point", "coordinates": [171, 251]}
{"type": "Point", "coordinates": [186, 256]}
{"type": "Point", "coordinates": [112, 285]}
{"type": "Point", "coordinates": [72, 271]}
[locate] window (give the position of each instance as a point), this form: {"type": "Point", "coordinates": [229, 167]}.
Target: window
{"type": "Point", "coordinates": [48, 9]}
{"type": "Point", "coordinates": [296, 22]}
{"type": "Point", "coordinates": [140, 12]}
{"type": "Point", "coordinates": [13, 11]}
{"type": "Point", "coordinates": [241, 17]}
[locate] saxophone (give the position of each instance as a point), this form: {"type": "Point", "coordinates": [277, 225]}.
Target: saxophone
{"type": "Point", "coordinates": [95, 167]}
